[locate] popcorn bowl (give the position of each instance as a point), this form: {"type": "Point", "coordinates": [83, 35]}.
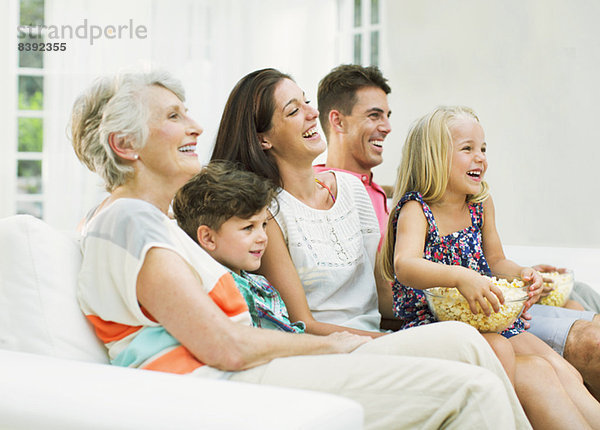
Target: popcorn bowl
{"type": "Point", "coordinates": [447, 304]}
{"type": "Point", "coordinates": [563, 285]}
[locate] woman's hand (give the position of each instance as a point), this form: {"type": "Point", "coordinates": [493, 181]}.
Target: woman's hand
{"type": "Point", "coordinates": [476, 289]}
{"type": "Point", "coordinates": [343, 341]}
{"type": "Point", "coordinates": [529, 274]}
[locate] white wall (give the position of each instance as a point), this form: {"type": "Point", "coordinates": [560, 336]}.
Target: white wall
{"type": "Point", "coordinates": [529, 68]}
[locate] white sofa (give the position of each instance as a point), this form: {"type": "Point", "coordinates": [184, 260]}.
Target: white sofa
{"type": "Point", "coordinates": [54, 373]}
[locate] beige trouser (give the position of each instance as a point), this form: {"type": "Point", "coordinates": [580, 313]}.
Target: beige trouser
{"type": "Point", "coordinates": [410, 379]}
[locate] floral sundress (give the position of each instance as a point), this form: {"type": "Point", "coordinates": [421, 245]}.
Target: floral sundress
{"type": "Point", "coordinates": [461, 248]}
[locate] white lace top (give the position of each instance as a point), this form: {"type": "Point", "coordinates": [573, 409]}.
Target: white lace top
{"type": "Point", "coordinates": [334, 254]}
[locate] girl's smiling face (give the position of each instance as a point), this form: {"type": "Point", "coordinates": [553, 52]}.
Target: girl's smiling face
{"type": "Point", "coordinates": [469, 161]}
{"type": "Point", "coordinates": [293, 135]}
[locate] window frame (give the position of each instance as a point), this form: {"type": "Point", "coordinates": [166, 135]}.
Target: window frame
{"type": "Point", "coordinates": [10, 196]}
{"type": "Point", "coordinates": [9, 85]}
{"type": "Point", "coordinates": [31, 155]}
{"type": "Point", "coordinates": [348, 32]}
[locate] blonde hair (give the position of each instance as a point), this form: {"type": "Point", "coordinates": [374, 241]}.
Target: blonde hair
{"type": "Point", "coordinates": [115, 105]}
{"type": "Point", "coordinates": [425, 168]}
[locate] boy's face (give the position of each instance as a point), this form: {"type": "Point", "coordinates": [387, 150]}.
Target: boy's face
{"type": "Point", "coordinates": [240, 243]}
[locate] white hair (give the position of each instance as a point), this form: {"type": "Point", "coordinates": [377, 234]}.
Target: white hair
{"type": "Point", "coordinates": [115, 105]}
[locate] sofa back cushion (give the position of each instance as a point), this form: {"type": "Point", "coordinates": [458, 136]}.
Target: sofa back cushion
{"type": "Point", "coordinates": [39, 312]}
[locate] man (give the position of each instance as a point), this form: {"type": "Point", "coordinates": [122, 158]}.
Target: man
{"type": "Point", "coordinates": [354, 115]}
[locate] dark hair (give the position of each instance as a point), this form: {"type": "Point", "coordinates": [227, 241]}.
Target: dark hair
{"type": "Point", "coordinates": [337, 90]}
{"type": "Point", "coordinates": [249, 112]}
{"type": "Point", "coordinates": [220, 191]}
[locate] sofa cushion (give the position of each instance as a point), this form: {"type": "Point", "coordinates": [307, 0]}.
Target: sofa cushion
{"type": "Point", "coordinates": [39, 312]}
{"type": "Point", "coordinates": [54, 394]}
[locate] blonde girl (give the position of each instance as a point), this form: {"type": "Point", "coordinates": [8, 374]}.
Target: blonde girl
{"type": "Point", "coordinates": [444, 214]}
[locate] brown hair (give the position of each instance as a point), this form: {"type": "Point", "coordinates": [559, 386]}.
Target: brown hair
{"type": "Point", "coordinates": [337, 90]}
{"type": "Point", "coordinates": [249, 112]}
{"type": "Point", "coordinates": [220, 191]}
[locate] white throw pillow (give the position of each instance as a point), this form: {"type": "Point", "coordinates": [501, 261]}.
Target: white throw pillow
{"type": "Point", "coordinates": [39, 312]}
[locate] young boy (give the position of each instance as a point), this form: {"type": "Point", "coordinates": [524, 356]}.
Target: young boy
{"type": "Point", "coordinates": [224, 210]}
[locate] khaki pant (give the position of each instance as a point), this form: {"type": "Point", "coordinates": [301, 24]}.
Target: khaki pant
{"type": "Point", "coordinates": [410, 379]}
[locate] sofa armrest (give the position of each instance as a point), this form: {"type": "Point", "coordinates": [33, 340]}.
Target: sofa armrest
{"type": "Point", "coordinates": [54, 393]}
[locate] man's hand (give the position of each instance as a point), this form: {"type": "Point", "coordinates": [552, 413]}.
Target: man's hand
{"type": "Point", "coordinates": [545, 268]}
{"type": "Point", "coordinates": [525, 317]}
{"type": "Point", "coordinates": [548, 268]}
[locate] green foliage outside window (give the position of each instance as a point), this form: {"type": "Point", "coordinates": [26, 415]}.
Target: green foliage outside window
{"type": "Point", "coordinates": [357, 13]}
{"type": "Point", "coordinates": [33, 59]}
{"type": "Point", "coordinates": [31, 96]}
{"type": "Point", "coordinates": [31, 135]}
{"type": "Point", "coordinates": [29, 176]}
{"type": "Point", "coordinates": [32, 12]}
{"type": "Point", "coordinates": [374, 11]}
{"type": "Point", "coordinates": [29, 168]}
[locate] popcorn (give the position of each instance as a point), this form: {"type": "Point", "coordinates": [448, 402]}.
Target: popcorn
{"type": "Point", "coordinates": [563, 284]}
{"type": "Point", "coordinates": [447, 304]}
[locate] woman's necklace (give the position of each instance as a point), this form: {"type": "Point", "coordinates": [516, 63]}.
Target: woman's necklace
{"type": "Point", "coordinates": [327, 188]}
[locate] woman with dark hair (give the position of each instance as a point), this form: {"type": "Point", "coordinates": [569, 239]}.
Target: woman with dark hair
{"type": "Point", "coordinates": [323, 238]}
{"type": "Point", "coordinates": [238, 131]}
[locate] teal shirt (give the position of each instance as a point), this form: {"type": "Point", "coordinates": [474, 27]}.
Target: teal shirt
{"type": "Point", "coordinates": [266, 306]}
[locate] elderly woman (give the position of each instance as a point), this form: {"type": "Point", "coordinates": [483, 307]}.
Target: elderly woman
{"type": "Point", "coordinates": [159, 302]}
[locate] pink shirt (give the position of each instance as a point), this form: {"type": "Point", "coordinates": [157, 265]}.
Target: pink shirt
{"type": "Point", "coordinates": [376, 193]}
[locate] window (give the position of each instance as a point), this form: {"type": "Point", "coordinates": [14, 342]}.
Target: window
{"type": "Point", "coordinates": [359, 31]}
{"type": "Point", "coordinates": [29, 146]}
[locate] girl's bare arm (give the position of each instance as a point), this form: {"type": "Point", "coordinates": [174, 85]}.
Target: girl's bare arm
{"type": "Point", "coordinates": [494, 253]}
{"type": "Point", "coordinates": [415, 271]}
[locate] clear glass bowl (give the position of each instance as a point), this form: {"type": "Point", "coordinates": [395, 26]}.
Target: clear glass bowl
{"type": "Point", "coordinates": [563, 285]}
{"type": "Point", "coordinates": [447, 304]}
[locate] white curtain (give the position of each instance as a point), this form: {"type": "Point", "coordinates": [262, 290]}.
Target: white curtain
{"type": "Point", "coordinates": [208, 45]}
